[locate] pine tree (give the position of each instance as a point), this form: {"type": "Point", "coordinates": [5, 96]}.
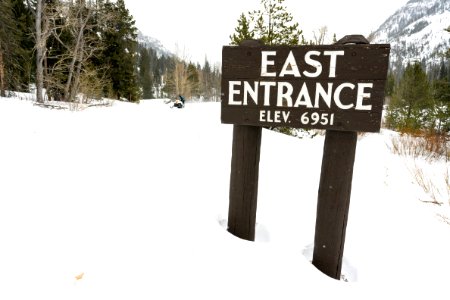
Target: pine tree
{"type": "Point", "coordinates": [145, 73]}
{"type": "Point", "coordinates": [24, 21]}
{"type": "Point", "coordinates": [443, 73]}
{"type": "Point", "coordinates": [119, 54]}
{"type": "Point", "coordinates": [206, 79]}
{"type": "Point", "coordinates": [216, 82]}
{"type": "Point", "coordinates": [411, 100]}
{"type": "Point", "coordinates": [272, 24]}
{"type": "Point", "coordinates": [11, 52]}
{"type": "Point", "coordinates": [242, 31]}
{"type": "Point", "coordinates": [441, 96]}
{"type": "Point", "coordinates": [390, 84]}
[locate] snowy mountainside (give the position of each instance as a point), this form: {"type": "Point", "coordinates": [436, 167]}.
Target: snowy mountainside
{"type": "Point", "coordinates": [152, 43]}
{"type": "Point", "coordinates": [416, 32]}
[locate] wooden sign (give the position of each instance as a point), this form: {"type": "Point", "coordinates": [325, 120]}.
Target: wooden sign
{"type": "Point", "coordinates": [337, 87]}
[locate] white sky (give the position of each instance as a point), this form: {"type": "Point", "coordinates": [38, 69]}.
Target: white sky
{"type": "Point", "coordinates": [199, 28]}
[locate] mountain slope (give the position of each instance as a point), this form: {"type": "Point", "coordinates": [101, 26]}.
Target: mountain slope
{"type": "Point", "coordinates": [416, 32]}
{"type": "Point", "coordinates": [153, 43]}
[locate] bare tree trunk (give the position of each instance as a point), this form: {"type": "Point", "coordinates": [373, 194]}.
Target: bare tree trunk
{"type": "Point", "coordinates": [71, 88]}
{"type": "Point", "coordinates": [67, 92]}
{"type": "Point", "coordinates": [181, 83]}
{"type": "Point", "coordinates": [176, 78]}
{"type": "Point", "coordinates": [2, 75]}
{"type": "Point", "coordinates": [319, 38]}
{"type": "Point", "coordinates": [40, 45]}
{"type": "Point", "coordinates": [76, 82]}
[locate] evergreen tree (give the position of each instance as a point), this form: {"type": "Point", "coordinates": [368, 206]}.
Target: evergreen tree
{"type": "Point", "coordinates": [11, 53]}
{"type": "Point", "coordinates": [24, 21]}
{"type": "Point", "coordinates": [216, 79]}
{"type": "Point", "coordinates": [411, 100]}
{"type": "Point", "coordinates": [274, 25]}
{"type": "Point", "coordinates": [119, 54]}
{"type": "Point", "coordinates": [441, 96]}
{"type": "Point", "coordinates": [159, 69]}
{"type": "Point", "coordinates": [390, 84]}
{"type": "Point", "coordinates": [443, 73]}
{"type": "Point", "coordinates": [206, 84]}
{"type": "Point", "coordinates": [145, 73]}
{"type": "Point", "coordinates": [242, 31]}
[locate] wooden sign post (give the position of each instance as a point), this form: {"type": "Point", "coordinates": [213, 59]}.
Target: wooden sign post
{"type": "Point", "coordinates": [339, 88]}
{"type": "Point", "coordinates": [333, 201]}
{"type": "Point", "coordinates": [244, 176]}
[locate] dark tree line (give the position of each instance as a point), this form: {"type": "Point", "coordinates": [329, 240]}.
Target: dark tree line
{"type": "Point", "coordinates": [16, 46]}
{"type": "Point", "coordinates": [76, 50]}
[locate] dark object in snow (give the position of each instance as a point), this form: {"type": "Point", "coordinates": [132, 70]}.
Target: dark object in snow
{"type": "Point", "coordinates": [179, 103]}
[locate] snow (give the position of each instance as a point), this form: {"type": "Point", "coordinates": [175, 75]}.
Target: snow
{"type": "Point", "coordinates": [133, 200]}
{"type": "Point", "coordinates": [417, 28]}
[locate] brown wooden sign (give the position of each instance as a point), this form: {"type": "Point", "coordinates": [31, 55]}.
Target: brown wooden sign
{"type": "Point", "coordinates": [337, 87]}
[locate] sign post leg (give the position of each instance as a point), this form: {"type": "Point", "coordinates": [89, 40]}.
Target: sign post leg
{"type": "Point", "coordinates": [244, 181]}
{"type": "Point", "coordinates": [334, 201]}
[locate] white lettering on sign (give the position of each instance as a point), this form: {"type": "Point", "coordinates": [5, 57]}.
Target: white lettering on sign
{"type": "Point", "coordinates": [267, 86]}
{"type": "Point", "coordinates": [333, 61]}
{"type": "Point", "coordinates": [266, 62]}
{"type": "Point", "coordinates": [276, 116]}
{"type": "Point", "coordinates": [232, 92]}
{"type": "Point", "coordinates": [338, 87]}
{"type": "Point", "coordinates": [291, 65]}
{"type": "Point", "coordinates": [284, 96]}
{"type": "Point", "coordinates": [314, 63]}
{"type": "Point", "coordinates": [363, 95]}
{"type": "Point", "coordinates": [337, 95]}
{"type": "Point", "coordinates": [316, 118]}
{"type": "Point", "coordinates": [303, 98]}
{"type": "Point", "coordinates": [251, 91]}
{"type": "Point", "coordinates": [318, 95]}
{"type": "Point", "coordinates": [325, 95]}
{"type": "Point", "coordinates": [289, 87]}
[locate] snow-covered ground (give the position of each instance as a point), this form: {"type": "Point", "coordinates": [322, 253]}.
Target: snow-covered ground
{"type": "Point", "coordinates": [132, 200]}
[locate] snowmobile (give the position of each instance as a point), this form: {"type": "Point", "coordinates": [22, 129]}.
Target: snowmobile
{"type": "Point", "coordinates": [179, 103]}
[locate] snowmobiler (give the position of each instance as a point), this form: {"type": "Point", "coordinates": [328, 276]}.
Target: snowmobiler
{"type": "Point", "coordinates": [179, 103]}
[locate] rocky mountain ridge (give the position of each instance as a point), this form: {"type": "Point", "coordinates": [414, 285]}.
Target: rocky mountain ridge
{"type": "Point", "coordinates": [416, 32]}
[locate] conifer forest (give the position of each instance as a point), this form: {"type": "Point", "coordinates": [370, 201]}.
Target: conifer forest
{"type": "Point", "coordinates": [77, 50]}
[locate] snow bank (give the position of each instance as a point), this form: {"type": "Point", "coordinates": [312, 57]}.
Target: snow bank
{"type": "Point", "coordinates": [134, 198]}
